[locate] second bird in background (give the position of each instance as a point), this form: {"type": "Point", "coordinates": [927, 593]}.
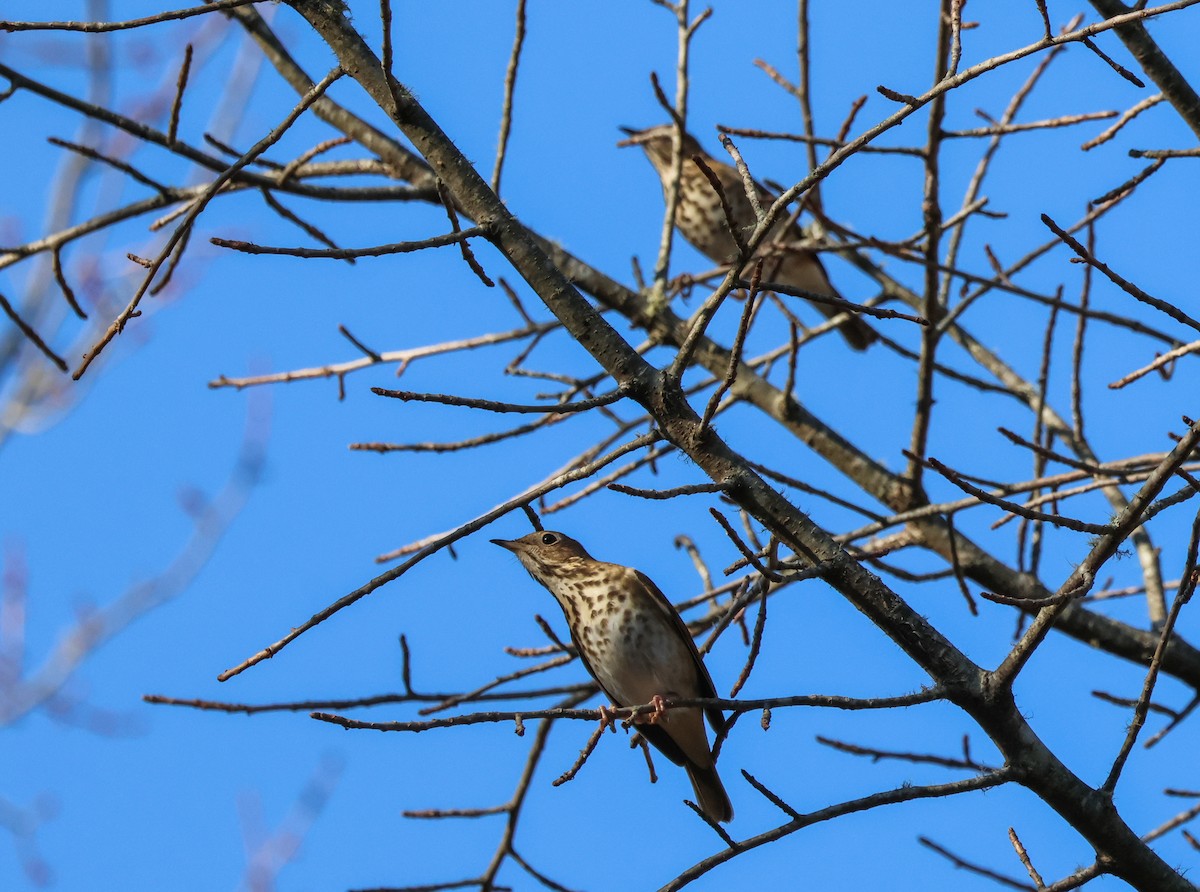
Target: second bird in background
{"type": "Point", "coordinates": [701, 220]}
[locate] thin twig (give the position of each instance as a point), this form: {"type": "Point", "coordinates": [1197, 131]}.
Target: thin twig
{"type": "Point", "coordinates": [103, 27]}
{"type": "Point", "coordinates": [32, 336]}
{"type": "Point", "coordinates": [180, 85]}
{"type": "Point", "coordinates": [184, 228]}
{"type": "Point", "coordinates": [510, 82]}
{"type": "Point", "coordinates": [1124, 284]}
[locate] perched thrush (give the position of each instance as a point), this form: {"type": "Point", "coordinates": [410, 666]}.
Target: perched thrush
{"type": "Point", "coordinates": [701, 220]}
{"type": "Point", "coordinates": [637, 648]}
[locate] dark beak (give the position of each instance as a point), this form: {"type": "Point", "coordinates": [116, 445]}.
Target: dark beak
{"type": "Point", "coordinates": [632, 134]}
{"type": "Point", "coordinates": [505, 543]}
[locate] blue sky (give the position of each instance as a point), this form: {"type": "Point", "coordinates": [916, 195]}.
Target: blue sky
{"type": "Point", "coordinates": [90, 497]}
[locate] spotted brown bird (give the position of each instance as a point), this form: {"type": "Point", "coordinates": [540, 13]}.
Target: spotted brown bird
{"type": "Point", "coordinates": [636, 647]}
{"type": "Point", "coordinates": [701, 220]}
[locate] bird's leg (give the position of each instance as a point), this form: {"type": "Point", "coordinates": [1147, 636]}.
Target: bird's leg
{"type": "Point", "coordinates": [607, 719]}
{"type": "Point", "coordinates": [660, 708]}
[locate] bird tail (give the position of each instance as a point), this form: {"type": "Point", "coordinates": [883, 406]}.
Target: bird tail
{"type": "Point", "coordinates": [713, 800]}
{"type": "Point", "coordinates": [803, 269]}
{"type": "Point", "coordinates": [857, 333]}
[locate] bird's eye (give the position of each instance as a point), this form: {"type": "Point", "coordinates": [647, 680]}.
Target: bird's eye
{"type": "Point", "coordinates": [549, 538]}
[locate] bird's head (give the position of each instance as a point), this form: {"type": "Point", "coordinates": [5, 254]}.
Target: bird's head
{"type": "Point", "coordinates": [656, 142]}
{"type": "Point", "coordinates": [546, 554]}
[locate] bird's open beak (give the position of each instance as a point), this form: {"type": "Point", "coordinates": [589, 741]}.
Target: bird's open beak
{"type": "Point", "coordinates": [633, 137]}
{"type": "Point", "coordinates": [505, 543]}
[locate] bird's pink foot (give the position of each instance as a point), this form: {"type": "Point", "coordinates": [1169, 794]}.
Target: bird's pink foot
{"type": "Point", "coordinates": [607, 718]}
{"type": "Point", "coordinates": [660, 708]}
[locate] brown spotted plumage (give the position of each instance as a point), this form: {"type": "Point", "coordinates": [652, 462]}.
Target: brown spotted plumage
{"type": "Point", "coordinates": [635, 645]}
{"type": "Point", "coordinates": [701, 220]}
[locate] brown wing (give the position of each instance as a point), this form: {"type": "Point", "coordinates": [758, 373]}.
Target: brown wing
{"type": "Point", "coordinates": [716, 717]}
